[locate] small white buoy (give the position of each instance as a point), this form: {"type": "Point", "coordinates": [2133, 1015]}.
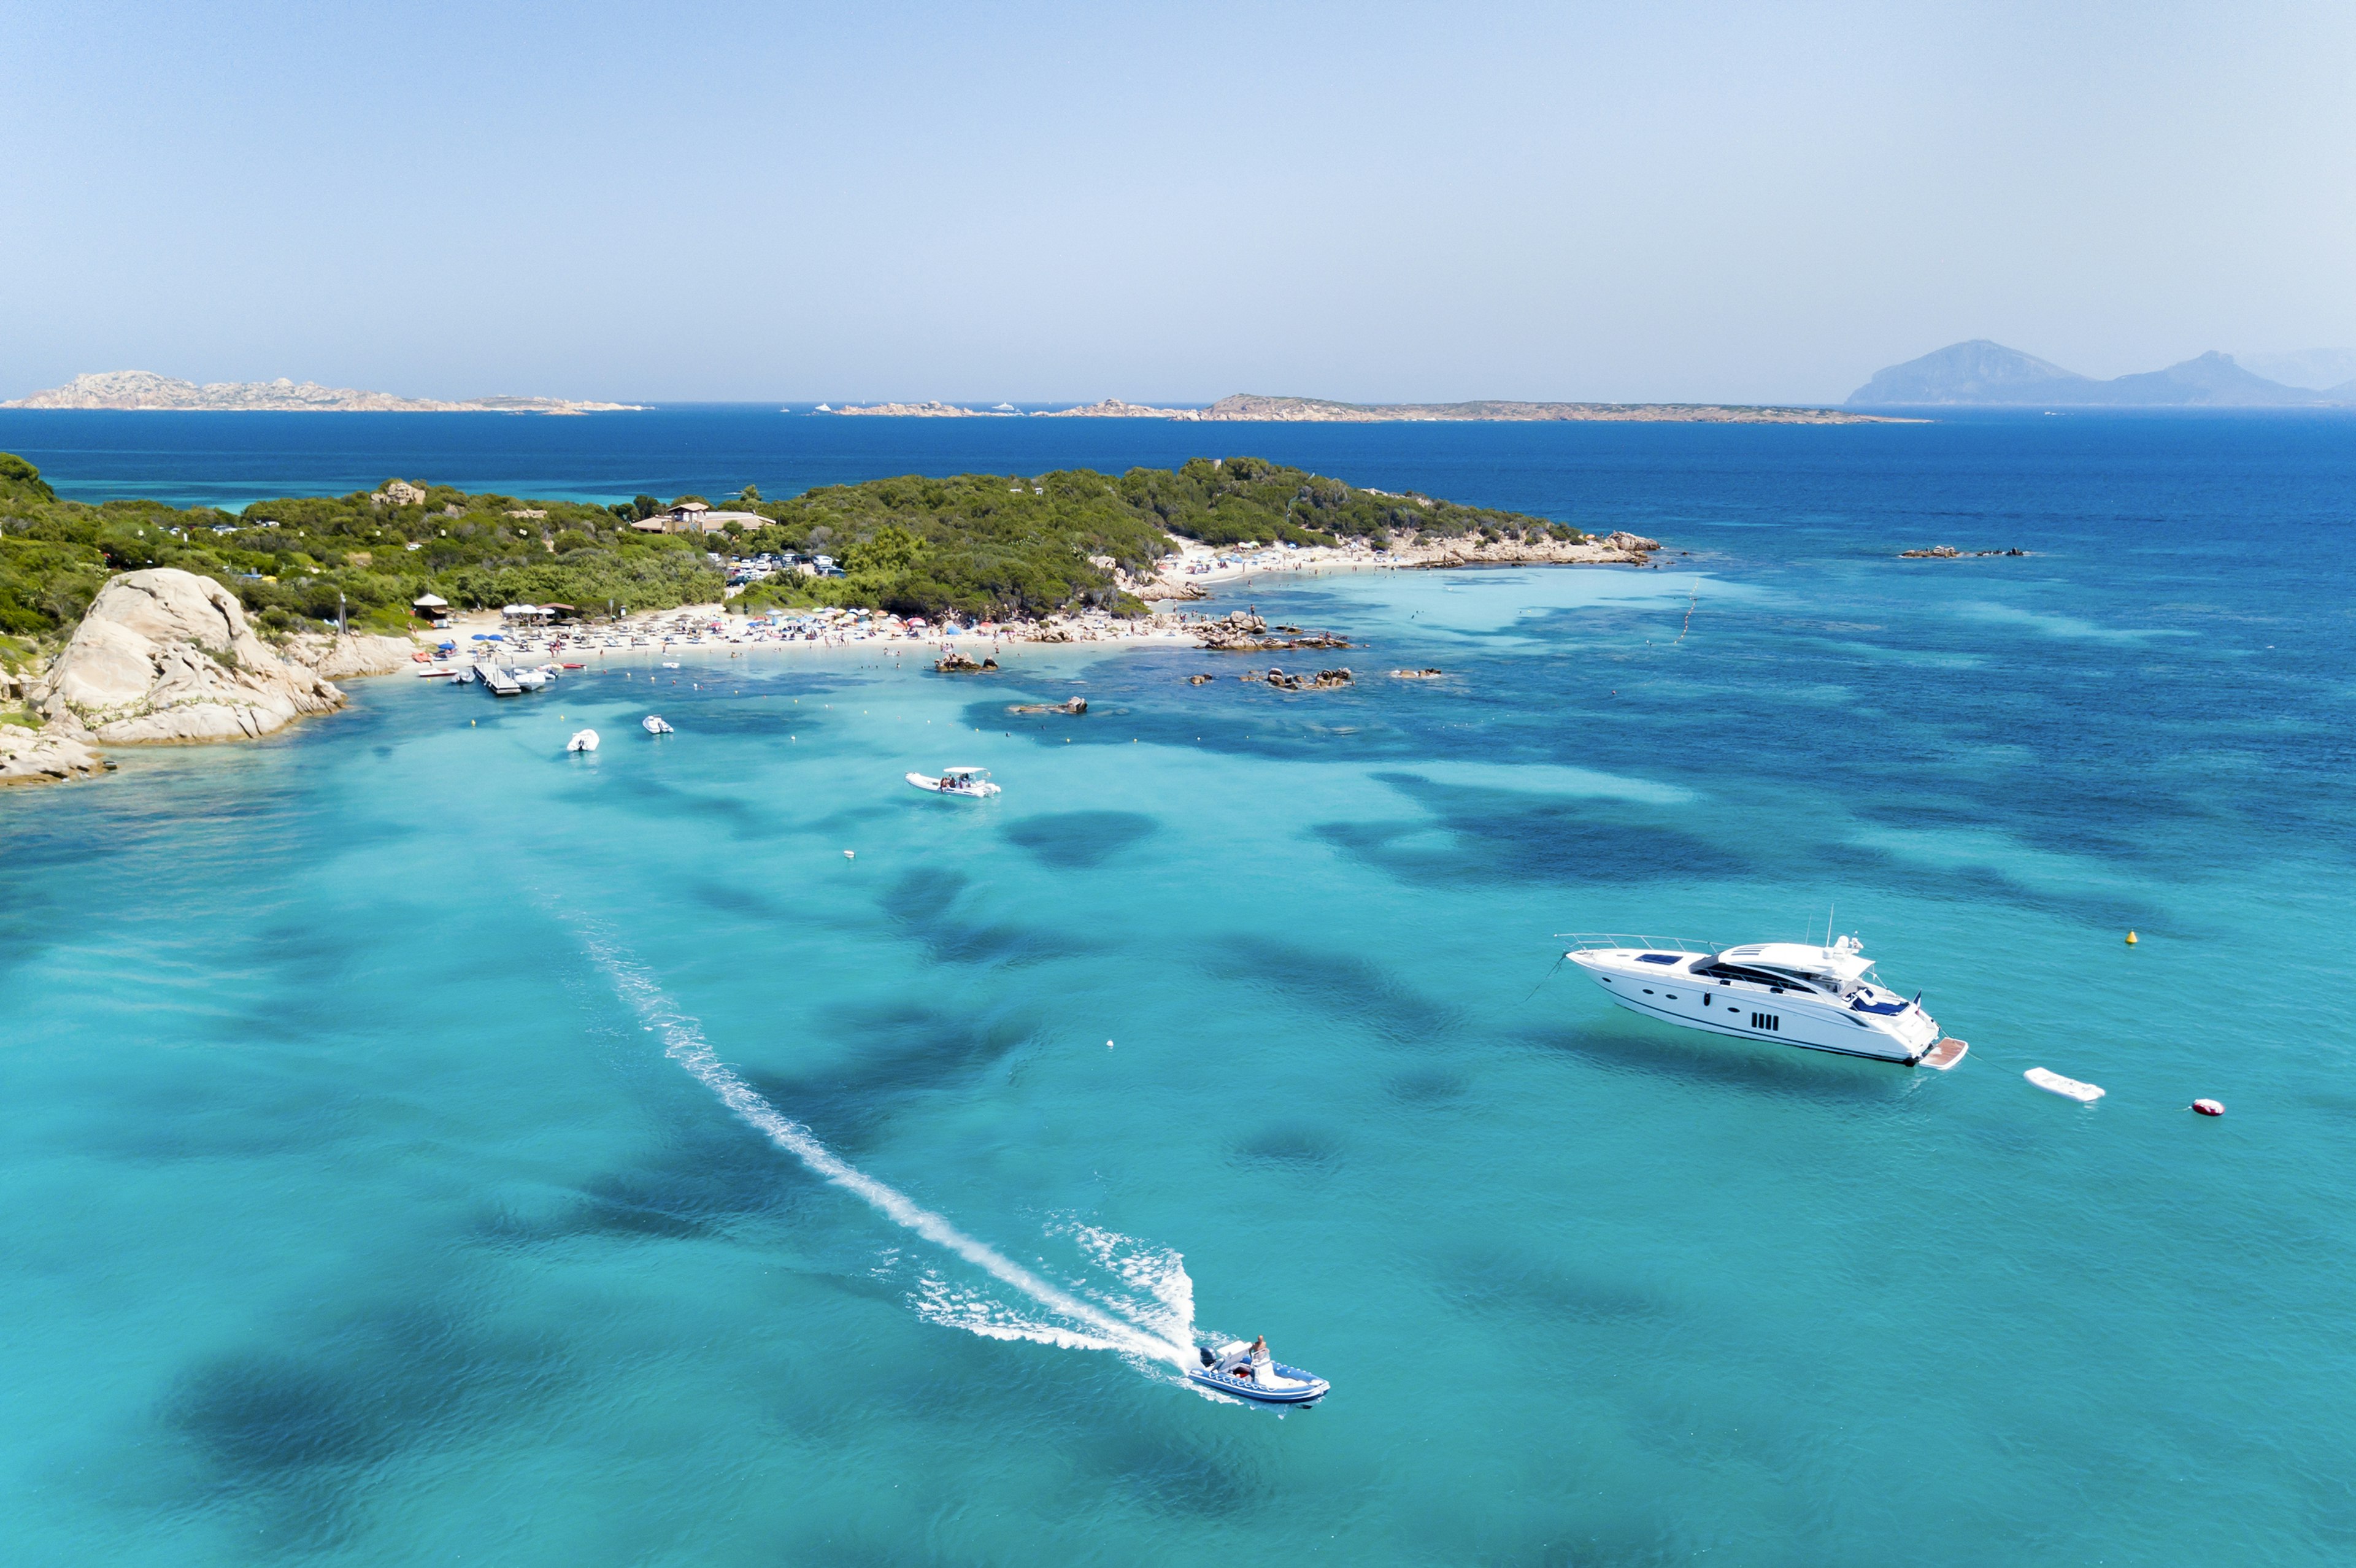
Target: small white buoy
{"type": "Point", "coordinates": [1108, 1045]}
{"type": "Point", "coordinates": [848, 855]}
{"type": "Point", "coordinates": [2210, 1107]}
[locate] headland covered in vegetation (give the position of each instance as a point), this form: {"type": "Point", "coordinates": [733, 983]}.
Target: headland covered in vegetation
{"type": "Point", "coordinates": [976, 545]}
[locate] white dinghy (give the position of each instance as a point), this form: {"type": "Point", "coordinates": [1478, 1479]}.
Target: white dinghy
{"type": "Point", "coordinates": [655, 724]}
{"type": "Point", "coordinates": [966, 784]}
{"type": "Point", "coordinates": [583, 740]}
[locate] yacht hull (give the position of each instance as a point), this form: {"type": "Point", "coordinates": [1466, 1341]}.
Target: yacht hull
{"type": "Point", "coordinates": [1663, 986]}
{"type": "Point", "coordinates": [1865, 1045]}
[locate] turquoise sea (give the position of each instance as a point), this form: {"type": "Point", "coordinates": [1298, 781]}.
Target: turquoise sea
{"type": "Point", "coordinates": [426, 1145]}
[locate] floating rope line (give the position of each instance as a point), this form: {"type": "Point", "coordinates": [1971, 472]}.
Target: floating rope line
{"type": "Point", "coordinates": [1693, 596]}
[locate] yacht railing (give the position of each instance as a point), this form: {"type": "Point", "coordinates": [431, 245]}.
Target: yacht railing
{"type": "Point", "coordinates": [1593, 940]}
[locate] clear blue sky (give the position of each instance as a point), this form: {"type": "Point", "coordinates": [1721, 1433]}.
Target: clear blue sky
{"type": "Point", "coordinates": [1039, 202]}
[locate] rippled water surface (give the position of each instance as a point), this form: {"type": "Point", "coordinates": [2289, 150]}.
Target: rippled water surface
{"type": "Point", "coordinates": [425, 1145]}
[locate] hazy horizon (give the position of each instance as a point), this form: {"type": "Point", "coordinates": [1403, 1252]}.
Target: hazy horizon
{"type": "Point", "coordinates": [1047, 204]}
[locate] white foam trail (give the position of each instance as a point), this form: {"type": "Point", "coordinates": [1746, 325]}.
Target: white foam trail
{"type": "Point", "coordinates": [684, 1043]}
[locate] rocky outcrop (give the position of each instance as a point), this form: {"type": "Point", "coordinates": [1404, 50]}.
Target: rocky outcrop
{"type": "Point", "coordinates": [1241, 631]}
{"type": "Point", "coordinates": [1428, 672]}
{"type": "Point", "coordinates": [1324, 680]}
{"type": "Point", "coordinates": [1635, 544]}
{"type": "Point", "coordinates": [348, 657]}
{"type": "Point", "coordinates": [1153, 588]}
{"type": "Point", "coordinates": [963, 664]}
{"type": "Point", "coordinates": [44, 756]}
{"type": "Point", "coordinates": [167, 655]}
{"type": "Point", "coordinates": [1077, 705]}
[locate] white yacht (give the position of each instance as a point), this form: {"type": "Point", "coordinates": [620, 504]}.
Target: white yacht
{"type": "Point", "coordinates": [1789, 993]}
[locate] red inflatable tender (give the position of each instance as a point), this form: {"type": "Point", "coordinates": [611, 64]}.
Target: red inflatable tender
{"type": "Point", "coordinates": [2209, 1107]}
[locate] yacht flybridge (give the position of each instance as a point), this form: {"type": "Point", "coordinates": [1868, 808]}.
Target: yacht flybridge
{"type": "Point", "coordinates": [1788, 993]}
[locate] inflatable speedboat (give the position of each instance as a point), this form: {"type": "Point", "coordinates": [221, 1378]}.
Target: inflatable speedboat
{"type": "Point", "coordinates": [966, 783]}
{"type": "Point", "coordinates": [655, 724]}
{"type": "Point", "coordinates": [1230, 1370]}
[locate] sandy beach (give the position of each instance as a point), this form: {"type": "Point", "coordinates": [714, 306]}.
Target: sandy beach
{"type": "Point", "coordinates": [1192, 573]}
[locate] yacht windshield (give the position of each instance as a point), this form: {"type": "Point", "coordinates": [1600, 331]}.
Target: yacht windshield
{"type": "Point", "coordinates": [1755, 976]}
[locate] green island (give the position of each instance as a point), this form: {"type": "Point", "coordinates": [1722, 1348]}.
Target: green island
{"type": "Point", "coordinates": [976, 544]}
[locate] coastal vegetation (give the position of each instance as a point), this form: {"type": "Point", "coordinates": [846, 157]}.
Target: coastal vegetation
{"type": "Point", "coordinates": [975, 544]}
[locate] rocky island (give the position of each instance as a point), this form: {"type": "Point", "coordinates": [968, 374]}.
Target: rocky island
{"type": "Point", "coordinates": [1252, 407]}
{"type": "Point", "coordinates": [143, 389]}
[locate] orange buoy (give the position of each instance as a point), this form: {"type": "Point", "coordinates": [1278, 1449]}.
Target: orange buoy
{"type": "Point", "coordinates": [2210, 1107]}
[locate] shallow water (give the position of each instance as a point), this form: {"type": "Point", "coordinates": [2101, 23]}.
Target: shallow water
{"type": "Point", "coordinates": [366, 1199]}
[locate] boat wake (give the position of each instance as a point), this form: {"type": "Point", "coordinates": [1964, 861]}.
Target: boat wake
{"type": "Point", "coordinates": [1147, 1314]}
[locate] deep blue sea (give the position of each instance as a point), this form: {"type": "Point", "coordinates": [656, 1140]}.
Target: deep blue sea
{"type": "Point", "coordinates": [426, 1145]}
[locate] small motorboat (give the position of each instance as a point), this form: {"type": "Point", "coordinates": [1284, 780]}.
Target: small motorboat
{"type": "Point", "coordinates": [1230, 1370]}
{"type": "Point", "coordinates": [655, 724]}
{"type": "Point", "coordinates": [583, 740]}
{"type": "Point", "coordinates": [968, 783]}
{"type": "Point", "coordinates": [671, 664]}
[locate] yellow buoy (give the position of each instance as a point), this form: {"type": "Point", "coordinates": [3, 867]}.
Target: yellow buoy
{"type": "Point", "coordinates": [2131, 939]}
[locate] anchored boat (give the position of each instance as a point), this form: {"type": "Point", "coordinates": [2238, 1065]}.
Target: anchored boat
{"type": "Point", "coordinates": [1787, 993]}
{"type": "Point", "coordinates": [655, 724]}
{"type": "Point", "coordinates": [966, 783]}
{"type": "Point", "coordinates": [583, 740]}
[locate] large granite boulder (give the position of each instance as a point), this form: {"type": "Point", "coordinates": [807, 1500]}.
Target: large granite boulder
{"type": "Point", "coordinates": [344, 657]}
{"type": "Point", "coordinates": [42, 756]}
{"type": "Point", "coordinates": [165, 654]}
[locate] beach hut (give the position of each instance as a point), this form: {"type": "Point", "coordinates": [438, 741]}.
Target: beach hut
{"type": "Point", "coordinates": [432, 608]}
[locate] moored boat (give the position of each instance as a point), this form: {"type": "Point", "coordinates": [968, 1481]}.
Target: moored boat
{"type": "Point", "coordinates": [655, 724]}
{"type": "Point", "coordinates": [583, 740]}
{"type": "Point", "coordinates": [966, 783]}
{"type": "Point", "coordinates": [1786, 993]}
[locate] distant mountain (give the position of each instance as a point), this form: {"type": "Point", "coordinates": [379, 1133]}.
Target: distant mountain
{"type": "Point", "coordinates": [1974, 372]}
{"type": "Point", "coordinates": [2317, 369]}
{"type": "Point", "coordinates": [145, 389]}
{"type": "Point", "coordinates": [1983, 374]}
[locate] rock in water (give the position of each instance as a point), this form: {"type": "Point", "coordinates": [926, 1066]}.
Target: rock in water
{"type": "Point", "coordinates": [35, 756]}
{"type": "Point", "coordinates": [165, 654]}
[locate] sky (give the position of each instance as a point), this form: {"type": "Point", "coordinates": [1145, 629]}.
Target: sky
{"type": "Point", "coordinates": [1036, 202]}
